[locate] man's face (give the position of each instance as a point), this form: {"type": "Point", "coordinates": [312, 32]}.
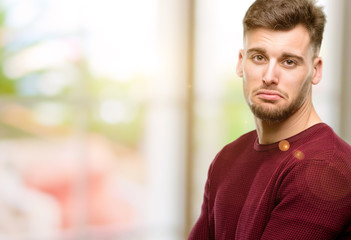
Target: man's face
{"type": "Point", "coordinates": [278, 69]}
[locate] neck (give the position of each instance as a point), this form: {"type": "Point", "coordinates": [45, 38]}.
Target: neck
{"type": "Point", "coordinates": [271, 132]}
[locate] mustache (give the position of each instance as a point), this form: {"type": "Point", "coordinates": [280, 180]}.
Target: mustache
{"type": "Point", "coordinates": [271, 88]}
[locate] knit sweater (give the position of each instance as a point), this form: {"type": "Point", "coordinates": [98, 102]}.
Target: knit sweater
{"type": "Point", "coordinates": [299, 188]}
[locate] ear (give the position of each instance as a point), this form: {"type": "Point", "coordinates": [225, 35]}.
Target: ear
{"type": "Point", "coordinates": [239, 65]}
{"type": "Point", "coordinates": [317, 70]}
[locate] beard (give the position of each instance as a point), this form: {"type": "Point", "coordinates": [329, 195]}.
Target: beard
{"type": "Point", "coordinates": [275, 114]}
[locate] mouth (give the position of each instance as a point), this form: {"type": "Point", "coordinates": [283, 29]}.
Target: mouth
{"type": "Point", "coordinates": [270, 95]}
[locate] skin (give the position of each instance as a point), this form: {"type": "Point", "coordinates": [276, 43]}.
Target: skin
{"type": "Point", "coordinates": [278, 70]}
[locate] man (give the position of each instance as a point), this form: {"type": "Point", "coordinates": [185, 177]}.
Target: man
{"type": "Point", "coordinates": [291, 177]}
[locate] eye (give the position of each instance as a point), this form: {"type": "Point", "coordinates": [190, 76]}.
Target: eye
{"type": "Point", "coordinates": [258, 58]}
{"type": "Point", "coordinates": [289, 63]}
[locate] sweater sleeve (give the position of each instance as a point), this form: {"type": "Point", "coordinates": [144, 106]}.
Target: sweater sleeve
{"type": "Point", "coordinates": [201, 229]}
{"type": "Point", "coordinates": [314, 202]}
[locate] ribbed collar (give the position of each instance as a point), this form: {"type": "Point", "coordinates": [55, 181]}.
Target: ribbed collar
{"type": "Point", "coordinates": [303, 134]}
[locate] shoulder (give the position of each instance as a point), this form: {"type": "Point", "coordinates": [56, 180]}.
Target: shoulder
{"type": "Point", "coordinates": [324, 144]}
{"type": "Point", "coordinates": [247, 139]}
{"type": "Point", "coordinates": [228, 155]}
{"type": "Point", "coordinates": [328, 181]}
{"type": "Point", "coordinates": [324, 168]}
{"type": "Point", "coordinates": [240, 146]}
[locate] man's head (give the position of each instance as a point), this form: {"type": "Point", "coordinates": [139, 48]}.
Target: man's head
{"type": "Point", "coordinates": [279, 62]}
{"type": "Point", "coordinates": [284, 15]}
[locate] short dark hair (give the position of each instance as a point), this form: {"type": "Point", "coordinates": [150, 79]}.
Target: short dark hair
{"type": "Point", "coordinates": [284, 15]}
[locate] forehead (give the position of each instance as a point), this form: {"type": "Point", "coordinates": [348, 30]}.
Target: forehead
{"type": "Point", "coordinates": [296, 40]}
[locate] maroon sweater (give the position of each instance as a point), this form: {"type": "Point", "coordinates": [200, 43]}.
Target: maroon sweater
{"type": "Point", "coordinates": [258, 191]}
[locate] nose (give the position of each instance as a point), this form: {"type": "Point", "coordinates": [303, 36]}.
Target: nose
{"type": "Point", "coordinates": [271, 73]}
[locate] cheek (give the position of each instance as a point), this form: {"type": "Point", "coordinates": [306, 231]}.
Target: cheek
{"type": "Point", "coordinates": [253, 72]}
{"type": "Point", "coordinates": [296, 86]}
{"type": "Point", "coordinates": [251, 82]}
{"type": "Point", "coordinates": [299, 81]}
{"type": "Point", "coordinates": [246, 84]}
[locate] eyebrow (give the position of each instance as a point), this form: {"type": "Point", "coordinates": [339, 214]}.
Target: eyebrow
{"type": "Point", "coordinates": [284, 55]}
{"type": "Point", "coordinates": [290, 55]}
{"type": "Point", "coordinates": [259, 50]}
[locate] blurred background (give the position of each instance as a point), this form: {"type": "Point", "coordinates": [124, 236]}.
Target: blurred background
{"type": "Point", "coordinates": [111, 111]}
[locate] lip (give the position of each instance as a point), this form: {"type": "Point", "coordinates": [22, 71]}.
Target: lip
{"type": "Point", "coordinates": [271, 95]}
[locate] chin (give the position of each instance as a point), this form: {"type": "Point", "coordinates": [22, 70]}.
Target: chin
{"type": "Point", "coordinates": [271, 113]}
